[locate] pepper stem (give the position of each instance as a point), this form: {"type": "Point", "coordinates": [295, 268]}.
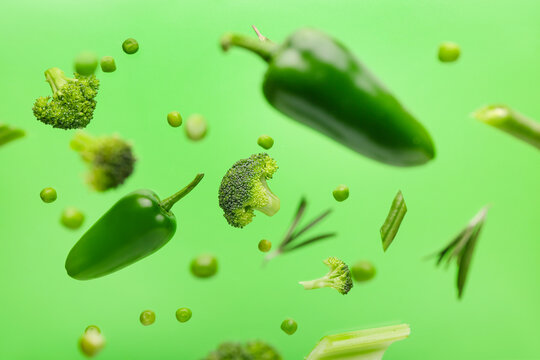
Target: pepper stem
{"type": "Point", "coordinates": [264, 48]}
{"type": "Point", "coordinates": [168, 203]}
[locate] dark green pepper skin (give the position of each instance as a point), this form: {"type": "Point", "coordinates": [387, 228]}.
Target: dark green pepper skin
{"type": "Point", "coordinates": [315, 80]}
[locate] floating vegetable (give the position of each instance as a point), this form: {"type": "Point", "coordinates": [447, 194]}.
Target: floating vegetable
{"type": "Point", "coordinates": [265, 141]}
{"type": "Point", "coordinates": [86, 63]}
{"type": "Point", "coordinates": [108, 64]}
{"type": "Point", "coordinates": [183, 314]}
{"type": "Point", "coordinates": [265, 245]}
{"type": "Point", "coordinates": [289, 326]}
{"type": "Point", "coordinates": [48, 195]}
{"type": "Point", "coordinates": [204, 266]}
{"type": "Point", "coordinates": [8, 133]}
{"type": "Point", "coordinates": [130, 46]}
{"type": "Point", "coordinates": [393, 220]}
{"type": "Point", "coordinates": [174, 119]}
{"type": "Point", "coordinates": [363, 270]}
{"type": "Point", "coordinates": [92, 341]}
{"type": "Point", "coordinates": [196, 127]}
{"type": "Point", "coordinates": [72, 218]}
{"type": "Point", "coordinates": [448, 51]}
{"type": "Point", "coordinates": [339, 277]}
{"type": "Point", "coordinates": [147, 317]}
{"type": "Point", "coordinates": [341, 193]}
{"type": "Point", "coordinates": [252, 350]}
{"type": "Point", "coordinates": [136, 226]}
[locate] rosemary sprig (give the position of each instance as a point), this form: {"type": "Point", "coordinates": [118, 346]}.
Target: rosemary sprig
{"type": "Point", "coordinates": [393, 220]}
{"type": "Point", "coordinates": [8, 133]}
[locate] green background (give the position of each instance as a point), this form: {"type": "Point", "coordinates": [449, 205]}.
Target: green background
{"type": "Point", "coordinates": [180, 67]}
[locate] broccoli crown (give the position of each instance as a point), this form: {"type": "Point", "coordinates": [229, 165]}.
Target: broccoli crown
{"type": "Point", "coordinates": [244, 189]}
{"type": "Point", "coordinates": [72, 103]}
{"type": "Point", "coordinates": [339, 277]}
{"type": "Point", "coordinates": [110, 159]}
{"type": "Point", "coordinates": [253, 350]}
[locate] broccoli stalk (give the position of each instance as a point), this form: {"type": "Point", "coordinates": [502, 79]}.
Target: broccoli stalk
{"type": "Point", "coordinates": [339, 277]}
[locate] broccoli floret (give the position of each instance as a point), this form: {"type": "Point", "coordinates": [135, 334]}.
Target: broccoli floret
{"type": "Point", "coordinates": [72, 104]}
{"type": "Point", "coordinates": [253, 350]}
{"type": "Point", "coordinates": [244, 189]}
{"type": "Point", "coordinates": [110, 159]}
{"type": "Point", "coordinates": [338, 277]}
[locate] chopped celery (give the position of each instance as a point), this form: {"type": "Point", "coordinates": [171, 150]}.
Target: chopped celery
{"type": "Point", "coordinates": [369, 344]}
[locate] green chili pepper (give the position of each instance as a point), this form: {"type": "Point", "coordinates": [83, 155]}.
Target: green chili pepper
{"type": "Point", "coordinates": [314, 79]}
{"type": "Point", "coordinates": [135, 227]}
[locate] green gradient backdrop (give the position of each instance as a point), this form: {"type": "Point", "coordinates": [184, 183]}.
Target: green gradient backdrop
{"type": "Point", "coordinates": [180, 66]}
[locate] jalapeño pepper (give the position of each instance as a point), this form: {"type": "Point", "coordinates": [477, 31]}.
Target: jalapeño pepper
{"type": "Point", "coordinates": [135, 227]}
{"type": "Point", "coordinates": [317, 81]}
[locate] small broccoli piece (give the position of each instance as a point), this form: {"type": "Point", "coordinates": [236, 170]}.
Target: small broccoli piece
{"type": "Point", "coordinates": [110, 159]}
{"type": "Point", "coordinates": [339, 277]}
{"type": "Point", "coordinates": [244, 189]}
{"type": "Point", "coordinates": [253, 350]}
{"type": "Point", "coordinates": [72, 103]}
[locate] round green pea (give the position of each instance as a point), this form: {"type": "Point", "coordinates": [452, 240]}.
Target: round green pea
{"type": "Point", "coordinates": [148, 317]}
{"type": "Point", "coordinates": [86, 63]}
{"type": "Point", "coordinates": [363, 271]}
{"type": "Point", "coordinates": [341, 193]}
{"type": "Point", "coordinates": [265, 245]}
{"type": "Point", "coordinates": [183, 314]}
{"type": "Point", "coordinates": [108, 64]}
{"type": "Point", "coordinates": [72, 218]}
{"type": "Point", "coordinates": [265, 141]}
{"type": "Point", "coordinates": [196, 127]}
{"type": "Point", "coordinates": [130, 46]}
{"type": "Point", "coordinates": [48, 195]}
{"type": "Point", "coordinates": [174, 119]}
{"type": "Point", "coordinates": [91, 343]}
{"type": "Point", "coordinates": [449, 51]}
{"type": "Point", "coordinates": [289, 326]}
{"type": "Point", "coordinates": [204, 266]}
{"type": "Point", "coordinates": [93, 328]}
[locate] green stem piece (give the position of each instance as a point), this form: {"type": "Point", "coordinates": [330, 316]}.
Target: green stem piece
{"type": "Point", "coordinates": [265, 49]}
{"type": "Point", "coordinates": [168, 203]}
{"type": "Point", "coordinates": [393, 220]}
{"type": "Point", "coordinates": [8, 133]}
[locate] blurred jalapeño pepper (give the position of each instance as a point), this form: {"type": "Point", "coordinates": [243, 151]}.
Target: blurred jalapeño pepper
{"type": "Point", "coordinates": [314, 79]}
{"type": "Point", "coordinates": [135, 227]}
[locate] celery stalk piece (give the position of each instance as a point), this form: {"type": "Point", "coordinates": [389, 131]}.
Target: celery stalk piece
{"type": "Point", "coordinates": [369, 344]}
{"type": "Point", "coordinates": [510, 121]}
{"type": "Point", "coordinates": [8, 133]}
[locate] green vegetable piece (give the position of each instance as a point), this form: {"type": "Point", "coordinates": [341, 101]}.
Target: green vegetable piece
{"type": "Point", "coordinates": [204, 266]}
{"type": "Point", "coordinates": [174, 119]}
{"type": "Point", "coordinates": [130, 46]}
{"type": "Point", "coordinates": [196, 127]}
{"type": "Point", "coordinates": [504, 118]}
{"type": "Point", "coordinates": [72, 218]}
{"type": "Point", "coordinates": [462, 247]}
{"type": "Point", "coordinates": [253, 350]}
{"type": "Point", "coordinates": [86, 63]}
{"type": "Point", "coordinates": [147, 317]}
{"type": "Point", "coordinates": [244, 189]}
{"type": "Point", "coordinates": [8, 133]}
{"type": "Point", "coordinates": [183, 315]}
{"type": "Point", "coordinates": [448, 52]}
{"type": "Point", "coordinates": [363, 271]}
{"type": "Point", "coordinates": [265, 141]}
{"type": "Point", "coordinates": [341, 193]}
{"type": "Point", "coordinates": [367, 344]}
{"type": "Point", "coordinates": [393, 220]}
{"type": "Point", "coordinates": [109, 158]}
{"type": "Point", "coordinates": [73, 101]}
{"type": "Point", "coordinates": [265, 245]}
{"type": "Point", "coordinates": [48, 195]}
{"type": "Point", "coordinates": [108, 64]}
{"type": "Point", "coordinates": [92, 328]}
{"type": "Point", "coordinates": [317, 81]}
{"type": "Point", "coordinates": [136, 226]}
{"type": "Point", "coordinates": [289, 326]}
{"type": "Point", "coordinates": [339, 277]}
{"type": "Point", "coordinates": [91, 342]}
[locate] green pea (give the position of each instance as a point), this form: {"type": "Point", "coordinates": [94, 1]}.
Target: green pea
{"type": "Point", "coordinates": [363, 271]}
{"type": "Point", "coordinates": [48, 195]}
{"type": "Point", "coordinates": [108, 64]}
{"type": "Point", "coordinates": [289, 326]}
{"type": "Point", "coordinates": [265, 141]}
{"type": "Point", "coordinates": [86, 63]}
{"type": "Point", "coordinates": [72, 218]}
{"type": "Point", "coordinates": [148, 317]}
{"type": "Point", "coordinates": [174, 119]}
{"type": "Point", "coordinates": [93, 328]}
{"type": "Point", "coordinates": [91, 343]}
{"type": "Point", "coordinates": [130, 46]}
{"type": "Point", "coordinates": [183, 314]}
{"type": "Point", "coordinates": [449, 51]}
{"type": "Point", "coordinates": [341, 193]}
{"type": "Point", "coordinates": [204, 266]}
{"type": "Point", "coordinates": [196, 127]}
{"type": "Point", "coordinates": [265, 245]}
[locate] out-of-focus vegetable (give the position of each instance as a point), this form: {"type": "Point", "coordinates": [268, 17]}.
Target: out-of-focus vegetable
{"type": "Point", "coordinates": [48, 195]}
{"type": "Point", "coordinates": [339, 277]}
{"type": "Point", "coordinates": [504, 118]}
{"type": "Point", "coordinates": [130, 46]}
{"type": "Point", "coordinates": [73, 101]}
{"type": "Point", "coordinates": [147, 317]}
{"type": "Point", "coordinates": [317, 81]}
{"type": "Point", "coordinates": [367, 344]}
{"type": "Point", "coordinates": [461, 248]}
{"type": "Point", "coordinates": [393, 220]}
{"type": "Point", "coordinates": [204, 266]}
{"type": "Point", "coordinates": [448, 51]}
{"type": "Point", "coordinates": [289, 326]}
{"type": "Point", "coordinates": [86, 63]}
{"type": "Point", "coordinates": [196, 127]}
{"type": "Point", "coordinates": [265, 141]}
{"type": "Point", "coordinates": [174, 119]}
{"type": "Point", "coordinates": [8, 133]}
{"type": "Point", "coordinates": [183, 314]}
{"type": "Point", "coordinates": [108, 64]}
{"type": "Point", "coordinates": [136, 226]}
{"type": "Point", "coordinates": [253, 350]}
{"type": "Point", "coordinates": [244, 189]}
{"type": "Point", "coordinates": [265, 245]}
{"type": "Point", "coordinates": [363, 270]}
{"type": "Point", "coordinates": [110, 159]}
{"type": "Point", "coordinates": [72, 218]}
{"type": "Point", "coordinates": [92, 341]}
{"type": "Point", "coordinates": [341, 193]}
{"type": "Point", "coordinates": [93, 328]}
